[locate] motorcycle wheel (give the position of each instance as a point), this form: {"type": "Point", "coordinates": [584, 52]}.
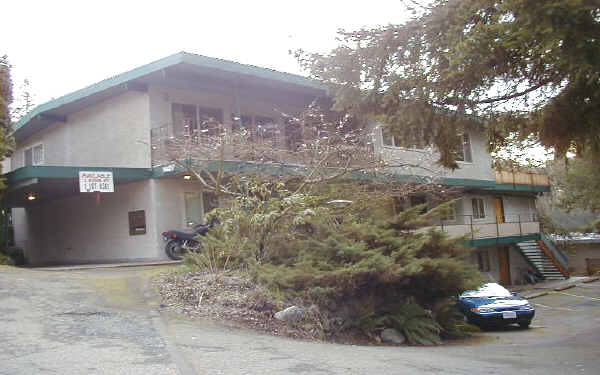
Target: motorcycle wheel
{"type": "Point", "coordinates": [174, 250]}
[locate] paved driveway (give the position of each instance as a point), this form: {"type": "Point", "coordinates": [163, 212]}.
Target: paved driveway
{"type": "Point", "coordinates": [107, 321]}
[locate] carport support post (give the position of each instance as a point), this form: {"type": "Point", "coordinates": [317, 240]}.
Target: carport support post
{"type": "Point", "coordinates": [5, 223]}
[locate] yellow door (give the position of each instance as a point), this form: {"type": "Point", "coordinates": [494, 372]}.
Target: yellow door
{"type": "Point", "coordinates": [499, 210]}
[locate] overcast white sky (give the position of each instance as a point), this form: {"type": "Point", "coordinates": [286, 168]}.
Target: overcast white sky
{"type": "Point", "coordinates": [62, 46]}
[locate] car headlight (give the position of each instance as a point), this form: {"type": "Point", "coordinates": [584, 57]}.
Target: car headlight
{"type": "Point", "coordinates": [527, 307]}
{"type": "Point", "coordinates": [483, 309]}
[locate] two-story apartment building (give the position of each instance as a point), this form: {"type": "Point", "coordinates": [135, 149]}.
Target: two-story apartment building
{"type": "Point", "coordinates": [111, 125]}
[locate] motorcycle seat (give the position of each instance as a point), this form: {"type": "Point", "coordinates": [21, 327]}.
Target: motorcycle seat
{"type": "Point", "coordinates": [184, 235]}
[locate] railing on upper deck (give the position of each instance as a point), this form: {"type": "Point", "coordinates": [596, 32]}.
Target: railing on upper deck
{"type": "Point", "coordinates": [266, 143]}
{"type": "Point", "coordinates": [512, 177]}
{"type": "Point", "coordinates": [520, 224]}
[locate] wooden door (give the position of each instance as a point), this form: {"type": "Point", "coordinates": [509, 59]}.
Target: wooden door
{"type": "Point", "coordinates": [499, 210]}
{"type": "Point", "coordinates": [504, 265]}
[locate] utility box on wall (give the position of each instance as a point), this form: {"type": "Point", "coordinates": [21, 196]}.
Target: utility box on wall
{"type": "Point", "coordinates": [137, 222]}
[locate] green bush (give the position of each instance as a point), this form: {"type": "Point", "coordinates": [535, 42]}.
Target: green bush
{"type": "Point", "coordinates": [362, 266]}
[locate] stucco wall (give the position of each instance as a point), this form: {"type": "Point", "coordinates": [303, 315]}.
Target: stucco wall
{"type": "Point", "coordinates": [576, 255]}
{"type": "Point", "coordinates": [113, 133]}
{"type": "Point", "coordinates": [479, 169]}
{"type": "Point", "coordinates": [79, 229]}
{"type": "Point", "coordinates": [518, 265]}
{"type": "Point", "coordinates": [170, 203]}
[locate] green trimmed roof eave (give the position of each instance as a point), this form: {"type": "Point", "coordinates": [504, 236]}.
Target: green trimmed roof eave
{"type": "Point", "coordinates": [181, 57]}
{"type": "Point", "coordinates": [30, 172]}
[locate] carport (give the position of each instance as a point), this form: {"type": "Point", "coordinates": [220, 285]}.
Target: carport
{"type": "Point", "coordinates": [56, 215]}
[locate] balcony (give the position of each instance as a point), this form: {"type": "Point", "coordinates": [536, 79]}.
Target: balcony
{"type": "Point", "coordinates": [265, 141]}
{"type": "Point", "coordinates": [489, 227]}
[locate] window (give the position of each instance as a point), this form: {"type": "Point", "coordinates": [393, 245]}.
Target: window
{"type": "Point", "coordinates": [241, 122]}
{"type": "Point", "coordinates": [184, 120]}
{"type": "Point", "coordinates": [210, 201]}
{"type": "Point", "coordinates": [34, 155]}
{"type": "Point", "coordinates": [266, 127]}
{"type": "Point", "coordinates": [193, 208]}
{"type": "Point", "coordinates": [411, 139]}
{"type": "Point", "coordinates": [211, 120]}
{"type": "Point", "coordinates": [190, 120]}
{"type": "Point", "coordinates": [483, 261]}
{"type": "Point", "coordinates": [463, 152]}
{"type": "Point", "coordinates": [478, 208]}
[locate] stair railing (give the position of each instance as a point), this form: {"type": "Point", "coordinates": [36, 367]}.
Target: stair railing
{"type": "Point", "coordinates": [558, 257]}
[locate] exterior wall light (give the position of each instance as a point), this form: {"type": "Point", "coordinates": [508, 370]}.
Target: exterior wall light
{"type": "Point", "coordinates": [31, 197]}
{"type": "Point", "coordinates": [187, 176]}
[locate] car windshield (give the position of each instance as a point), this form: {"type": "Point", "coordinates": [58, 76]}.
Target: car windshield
{"type": "Point", "coordinates": [488, 290]}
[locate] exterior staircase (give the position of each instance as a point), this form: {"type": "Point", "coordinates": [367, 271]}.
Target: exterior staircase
{"type": "Point", "coordinates": [538, 258]}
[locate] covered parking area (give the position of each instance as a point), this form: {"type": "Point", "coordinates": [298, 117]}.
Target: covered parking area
{"type": "Point", "coordinates": [55, 223]}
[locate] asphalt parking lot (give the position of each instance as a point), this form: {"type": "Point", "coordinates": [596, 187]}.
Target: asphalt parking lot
{"type": "Point", "coordinates": [107, 321]}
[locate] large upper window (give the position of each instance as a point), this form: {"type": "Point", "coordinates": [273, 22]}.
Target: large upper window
{"type": "Point", "coordinates": [463, 151]}
{"type": "Point", "coordinates": [410, 140]}
{"type": "Point", "coordinates": [34, 155]}
{"type": "Point", "coordinates": [192, 121]}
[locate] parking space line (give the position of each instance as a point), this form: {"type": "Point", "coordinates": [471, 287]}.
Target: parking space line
{"type": "Point", "coordinates": [556, 308]}
{"type": "Point", "coordinates": [575, 295]}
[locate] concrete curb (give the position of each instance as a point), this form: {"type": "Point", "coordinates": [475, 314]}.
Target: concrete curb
{"type": "Point", "coordinates": [535, 295]}
{"type": "Point", "coordinates": [564, 287]}
{"type": "Point", "coordinates": [591, 279]}
{"type": "Point", "coordinates": [100, 266]}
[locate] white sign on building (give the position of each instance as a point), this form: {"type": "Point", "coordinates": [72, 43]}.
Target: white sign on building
{"type": "Point", "coordinates": [92, 181]}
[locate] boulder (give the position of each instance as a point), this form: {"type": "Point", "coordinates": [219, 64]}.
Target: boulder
{"type": "Point", "coordinates": [393, 336]}
{"type": "Point", "coordinates": [290, 315]}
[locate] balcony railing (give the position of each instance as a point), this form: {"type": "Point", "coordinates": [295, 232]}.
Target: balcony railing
{"type": "Point", "coordinates": [521, 178]}
{"type": "Point", "coordinates": [269, 143]}
{"type": "Point", "coordinates": [490, 227]}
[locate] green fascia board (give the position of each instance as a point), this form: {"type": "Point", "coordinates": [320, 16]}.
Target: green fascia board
{"type": "Point", "coordinates": [233, 166]}
{"type": "Point", "coordinates": [493, 186]}
{"type": "Point", "coordinates": [29, 172]}
{"type": "Point", "coordinates": [481, 242]}
{"type": "Point", "coordinates": [181, 57]}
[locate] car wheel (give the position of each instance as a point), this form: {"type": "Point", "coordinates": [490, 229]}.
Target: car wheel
{"type": "Point", "coordinates": [524, 325]}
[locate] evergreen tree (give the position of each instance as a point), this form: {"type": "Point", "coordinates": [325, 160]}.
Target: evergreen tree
{"type": "Point", "coordinates": [525, 66]}
{"type": "Point", "coordinates": [6, 143]}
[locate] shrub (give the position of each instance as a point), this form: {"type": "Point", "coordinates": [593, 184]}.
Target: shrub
{"type": "Point", "coordinates": [362, 266]}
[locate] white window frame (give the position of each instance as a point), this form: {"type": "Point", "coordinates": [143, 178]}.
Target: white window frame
{"type": "Point", "coordinates": [393, 145]}
{"type": "Point", "coordinates": [33, 161]}
{"type": "Point", "coordinates": [466, 146]}
{"type": "Point", "coordinates": [186, 223]}
{"type": "Point", "coordinates": [480, 205]}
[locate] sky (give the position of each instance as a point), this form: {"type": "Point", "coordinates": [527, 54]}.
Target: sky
{"type": "Point", "coordinates": [61, 46]}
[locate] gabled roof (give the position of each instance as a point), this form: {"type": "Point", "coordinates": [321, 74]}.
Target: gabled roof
{"type": "Point", "coordinates": [58, 108]}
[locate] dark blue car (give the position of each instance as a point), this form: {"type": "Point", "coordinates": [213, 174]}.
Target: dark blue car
{"type": "Point", "coordinates": [493, 305]}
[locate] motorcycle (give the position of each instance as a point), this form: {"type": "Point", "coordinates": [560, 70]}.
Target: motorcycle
{"type": "Point", "coordinates": [179, 243]}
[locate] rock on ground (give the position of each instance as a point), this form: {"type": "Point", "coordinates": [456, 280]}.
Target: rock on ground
{"type": "Point", "coordinates": [393, 336]}
{"type": "Point", "coordinates": [290, 315]}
